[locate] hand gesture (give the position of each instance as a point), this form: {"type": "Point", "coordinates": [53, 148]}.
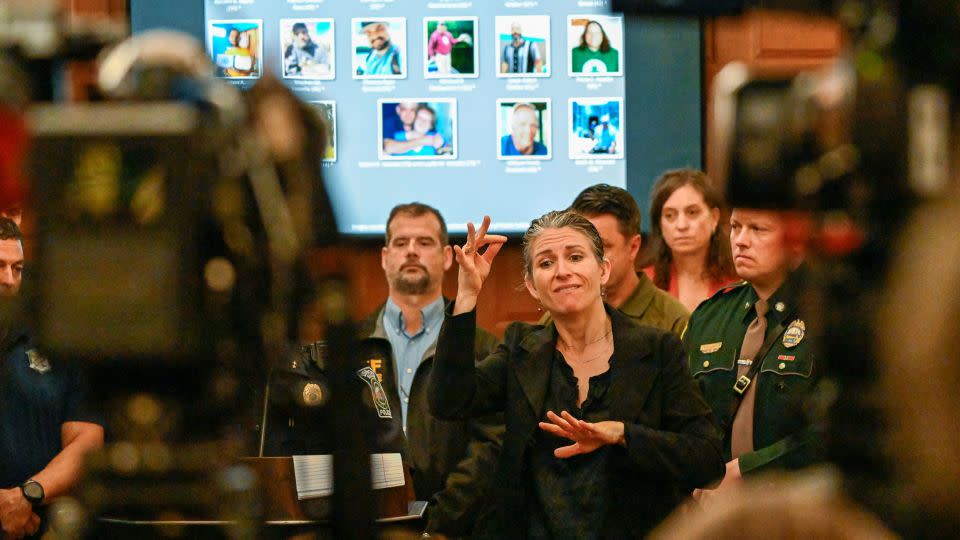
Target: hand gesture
{"type": "Point", "coordinates": [587, 436]}
{"type": "Point", "coordinates": [437, 141]}
{"type": "Point", "coordinates": [474, 266]}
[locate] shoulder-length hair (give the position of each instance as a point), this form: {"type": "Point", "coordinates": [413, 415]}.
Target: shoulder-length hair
{"type": "Point", "coordinates": [604, 44]}
{"type": "Point", "coordinates": [719, 265]}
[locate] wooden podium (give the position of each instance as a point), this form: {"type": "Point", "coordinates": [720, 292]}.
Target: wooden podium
{"type": "Point", "coordinates": [284, 516]}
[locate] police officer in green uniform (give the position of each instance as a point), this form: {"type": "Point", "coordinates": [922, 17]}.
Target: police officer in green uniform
{"type": "Point", "coordinates": [615, 214]}
{"type": "Point", "coordinates": [747, 351]}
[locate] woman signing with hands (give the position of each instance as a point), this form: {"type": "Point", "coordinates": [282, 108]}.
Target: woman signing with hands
{"type": "Point", "coordinates": [633, 436]}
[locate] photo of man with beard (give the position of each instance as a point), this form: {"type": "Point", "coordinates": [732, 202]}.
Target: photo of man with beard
{"type": "Point", "coordinates": [378, 48]}
{"type": "Point", "coordinates": [523, 45]}
{"type": "Point", "coordinates": [307, 48]}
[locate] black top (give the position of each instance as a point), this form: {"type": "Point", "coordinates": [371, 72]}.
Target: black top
{"type": "Point", "coordinates": [672, 445]}
{"type": "Point", "coordinates": [572, 494]}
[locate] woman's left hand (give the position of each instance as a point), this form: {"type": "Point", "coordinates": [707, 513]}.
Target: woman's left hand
{"type": "Point", "coordinates": [586, 436]}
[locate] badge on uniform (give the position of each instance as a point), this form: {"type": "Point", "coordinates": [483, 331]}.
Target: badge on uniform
{"type": "Point", "coordinates": [376, 390]}
{"type": "Point", "coordinates": [312, 394]}
{"type": "Point", "coordinates": [37, 363]}
{"type": "Point", "coordinates": [794, 334]}
{"type": "Point", "coordinates": [708, 348]}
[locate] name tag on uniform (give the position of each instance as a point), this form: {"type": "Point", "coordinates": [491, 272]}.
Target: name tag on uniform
{"type": "Point", "coordinates": [708, 348]}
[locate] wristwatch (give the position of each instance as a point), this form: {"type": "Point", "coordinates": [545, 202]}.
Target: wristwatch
{"type": "Point", "coordinates": [32, 492]}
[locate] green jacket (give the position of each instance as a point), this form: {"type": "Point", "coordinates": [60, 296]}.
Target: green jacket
{"type": "Point", "coordinates": [651, 306]}
{"type": "Point", "coordinates": [782, 436]}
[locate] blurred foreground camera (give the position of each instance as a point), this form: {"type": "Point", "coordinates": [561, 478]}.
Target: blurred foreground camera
{"type": "Point", "coordinates": [169, 251]}
{"type": "Point", "coordinates": [784, 142]}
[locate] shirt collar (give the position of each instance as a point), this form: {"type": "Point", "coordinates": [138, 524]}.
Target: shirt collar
{"type": "Point", "coordinates": [641, 297]}
{"type": "Point", "coordinates": [432, 315]}
{"type": "Point", "coordinates": [782, 303]}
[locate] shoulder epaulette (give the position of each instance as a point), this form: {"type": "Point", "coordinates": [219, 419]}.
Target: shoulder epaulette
{"type": "Point", "coordinates": [729, 289]}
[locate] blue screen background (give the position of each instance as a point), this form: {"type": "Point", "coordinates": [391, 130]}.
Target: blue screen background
{"type": "Point", "coordinates": [661, 121]}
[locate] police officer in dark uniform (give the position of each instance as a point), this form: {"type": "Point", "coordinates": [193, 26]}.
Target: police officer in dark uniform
{"type": "Point", "coordinates": [45, 430]}
{"type": "Point", "coordinates": [747, 351]}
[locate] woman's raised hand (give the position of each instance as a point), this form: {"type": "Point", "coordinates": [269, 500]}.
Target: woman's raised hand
{"type": "Point", "coordinates": [474, 265]}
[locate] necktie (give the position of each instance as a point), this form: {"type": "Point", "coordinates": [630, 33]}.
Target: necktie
{"type": "Point", "coordinates": [741, 434]}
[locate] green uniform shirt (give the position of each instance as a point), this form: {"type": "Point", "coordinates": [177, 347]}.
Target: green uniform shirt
{"type": "Point", "coordinates": [782, 436]}
{"type": "Point", "coordinates": [655, 307]}
{"type": "Point", "coordinates": [651, 306]}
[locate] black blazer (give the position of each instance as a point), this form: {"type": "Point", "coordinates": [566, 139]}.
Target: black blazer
{"type": "Point", "coordinates": [672, 446]}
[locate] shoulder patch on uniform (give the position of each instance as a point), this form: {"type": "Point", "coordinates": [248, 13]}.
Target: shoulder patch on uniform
{"type": "Point", "coordinates": [380, 400]}
{"type": "Point", "coordinates": [38, 363]}
{"type": "Point", "coordinates": [732, 287]}
{"type": "Point", "coordinates": [727, 290]}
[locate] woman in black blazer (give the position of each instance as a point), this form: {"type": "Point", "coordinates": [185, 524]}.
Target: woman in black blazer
{"type": "Point", "coordinates": [606, 431]}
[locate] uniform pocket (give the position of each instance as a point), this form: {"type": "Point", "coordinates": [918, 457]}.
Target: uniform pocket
{"type": "Point", "coordinates": [800, 365]}
{"type": "Point", "coordinates": [712, 357]}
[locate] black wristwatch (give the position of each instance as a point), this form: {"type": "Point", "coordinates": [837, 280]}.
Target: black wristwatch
{"type": "Point", "coordinates": [32, 492]}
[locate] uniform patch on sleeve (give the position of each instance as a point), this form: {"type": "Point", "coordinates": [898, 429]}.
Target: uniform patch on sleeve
{"type": "Point", "coordinates": [380, 400]}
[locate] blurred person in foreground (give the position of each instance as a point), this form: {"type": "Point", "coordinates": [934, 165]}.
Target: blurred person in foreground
{"type": "Point", "coordinates": [606, 431]}
{"type": "Point", "coordinates": [747, 350]}
{"type": "Point", "coordinates": [797, 506]}
{"type": "Point", "coordinates": [45, 429]}
{"type": "Point", "coordinates": [919, 373]}
{"type": "Point", "coordinates": [690, 251]}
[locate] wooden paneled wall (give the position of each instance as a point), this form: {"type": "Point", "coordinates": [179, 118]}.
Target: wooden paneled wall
{"type": "Point", "coordinates": [110, 8]}
{"type": "Point", "coordinates": [785, 42]}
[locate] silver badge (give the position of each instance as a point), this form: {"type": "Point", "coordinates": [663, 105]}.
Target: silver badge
{"type": "Point", "coordinates": [38, 363]}
{"type": "Point", "coordinates": [376, 390]}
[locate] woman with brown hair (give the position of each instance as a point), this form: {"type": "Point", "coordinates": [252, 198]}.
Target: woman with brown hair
{"type": "Point", "coordinates": [690, 252]}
